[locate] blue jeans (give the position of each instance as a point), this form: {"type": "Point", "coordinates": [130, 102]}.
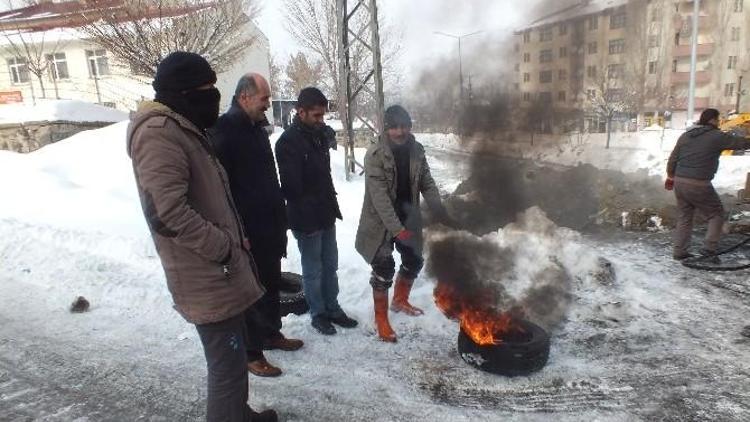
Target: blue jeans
{"type": "Point", "coordinates": [320, 260]}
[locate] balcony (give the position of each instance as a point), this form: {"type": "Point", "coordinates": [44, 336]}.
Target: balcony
{"type": "Point", "coordinates": [701, 77]}
{"type": "Point", "coordinates": [685, 50]}
{"type": "Point", "coordinates": [682, 103]}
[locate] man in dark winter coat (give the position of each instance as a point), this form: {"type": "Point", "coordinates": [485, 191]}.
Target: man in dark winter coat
{"type": "Point", "coordinates": [187, 203]}
{"type": "Point", "coordinates": [396, 173]}
{"type": "Point", "coordinates": [312, 208]}
{"type": "Point", "coordinates": [691, 167]}
{"type": "Point", "coordinates": [244, 150]}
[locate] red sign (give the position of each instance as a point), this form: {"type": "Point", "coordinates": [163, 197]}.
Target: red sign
{"type": "Point", "coordinates": [7, 97]}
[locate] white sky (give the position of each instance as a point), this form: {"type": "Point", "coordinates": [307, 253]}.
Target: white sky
{"type": "Point", "coordinates": [419, 19]}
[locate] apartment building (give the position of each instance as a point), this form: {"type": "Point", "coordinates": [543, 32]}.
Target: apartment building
{"type": "Point", "coordinates": [635, 55]}
{"type": "Point", "coordinates": [77, 68]}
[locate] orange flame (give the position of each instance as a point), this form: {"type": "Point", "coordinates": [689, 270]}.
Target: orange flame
{"type": "Point", "coordinates": [483, 324]}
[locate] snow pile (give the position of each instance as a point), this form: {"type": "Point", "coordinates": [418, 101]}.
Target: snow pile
{"type": "Point", "coordinates": [444, 141]}
{"type": "Point", "coordinates": [59, 110]}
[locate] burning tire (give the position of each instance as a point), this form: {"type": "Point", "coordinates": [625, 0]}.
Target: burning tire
{"type": "Point", "coordinates": [520, 353]}
{"type": "Point", "coordinates": [291, 295]}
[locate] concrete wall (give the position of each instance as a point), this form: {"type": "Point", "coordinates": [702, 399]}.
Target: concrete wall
{"type": "Point", "coordinates": [28, 137]}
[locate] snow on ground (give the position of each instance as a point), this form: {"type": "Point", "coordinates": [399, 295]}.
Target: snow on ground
{"type": "Point", "coordinates": [660, 343]}
{"type": "Point", "coordinates": [629, 152]}
{"type": "Point", "coordinates": [52, 110]}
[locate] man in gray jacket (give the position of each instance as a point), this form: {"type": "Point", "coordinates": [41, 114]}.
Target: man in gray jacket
{"type": "Point", "coordinates": [396, 173]}
{"type": "Point", "coordinates": [690, 169]}
{"type": "Point", "coordinates": [198, 234]}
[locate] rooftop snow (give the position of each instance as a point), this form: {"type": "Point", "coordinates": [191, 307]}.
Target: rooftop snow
{"type": "Point", "coordinates": [55, 110]}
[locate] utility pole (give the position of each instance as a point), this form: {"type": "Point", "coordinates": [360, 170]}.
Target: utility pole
{"type": "Point", "coordinates": [693, 62]}
{"type": "Point", "coordinates": [364, 85]}
{"type": "Point", "coordinates": [460, 61]}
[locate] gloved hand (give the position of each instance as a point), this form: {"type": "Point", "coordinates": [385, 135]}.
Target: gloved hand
{"type": "Point", "coordinates": [669, 183]}
{"type": "Point", "coordinates": [404, 235]}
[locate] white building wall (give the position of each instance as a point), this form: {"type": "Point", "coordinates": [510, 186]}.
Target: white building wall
{"type": "Point", "coordinates": [121, 88]}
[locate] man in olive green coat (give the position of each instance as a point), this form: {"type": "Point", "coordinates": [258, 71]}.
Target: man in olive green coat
{"type": "Point", "coordinates": [396, 173]}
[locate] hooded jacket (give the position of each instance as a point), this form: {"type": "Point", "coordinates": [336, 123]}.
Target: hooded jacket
{"type": "Point", "coordinates": [696, 154]}
{"type": "Point", "coordinates": [187, 203]}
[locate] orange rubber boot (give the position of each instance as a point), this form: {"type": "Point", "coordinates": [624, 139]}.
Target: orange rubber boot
{"type": "Point", "coordinates": [401, 297]}
{"type": "Point", "coordinates": [385, 332]}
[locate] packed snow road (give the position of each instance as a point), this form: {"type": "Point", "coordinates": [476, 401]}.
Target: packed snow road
{"type": "Point", "coordinates": [659, 342]}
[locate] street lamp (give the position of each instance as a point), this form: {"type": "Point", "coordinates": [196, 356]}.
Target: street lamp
{"type": "Point", "coordinates": [460, 65]}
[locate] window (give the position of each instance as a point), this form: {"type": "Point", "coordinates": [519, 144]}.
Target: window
{"type": "Point", "coordinates": [563, 52]}
{"type": "Point", "coordinates": [654, 41]}
{"type": "Point", "coordinates": [677, 38]}
{"type": "Point", "coordinates": [732, 62]}
{"type": "Point", "coordinates": [593, 23]}
{"type": "Point", "coordinates": [526, 57]}
{"type": "Point", "coordinates": [651, 68]}
{"type": "Point", "coordinates": [561, 96]}
{"type": "Point", "coordinates": [527, 96]}
{"type": "Point", "coordinates": [591, 71]}
{"type": "Point", "coordinates": [563, 29]}
{"type": "Point", "coordinates": [617, 20]}
{"type": "Point", "coordinates": [562, 75]}
{"type": "Point", "coordinates": [738, 5]}
{"type": "Point", "coordinates": [729, 90]}
{"type": "Point", "coordinates": [526, 77]}
{"type": "Point", "coordinates": [545, 34]}
{"type": "Point", "coordinates": [592, 47]}
{"type": "Point", "coordinates": [735, 34]}
{"type": "Point", "coordinates": [545, 56]}
{"type": "Point", "coordinates": [545, 76]}
{"type": "Point", "coordinates": [617, 46]}
{"type": "Point", "coordinates": [58, 66]}
{"type": "Point", "coordinates": [98, 62]}
{"type": "Point", "coordinates": [656, 14]}
{"type": "Point", "coordinates": [527, 37]}
{"type": "Point", "coordinates": [615, 71]}
{"type": "Point", "coordinates": [19, 72]}
{"type": "Point", "coordinates": [674, 65]}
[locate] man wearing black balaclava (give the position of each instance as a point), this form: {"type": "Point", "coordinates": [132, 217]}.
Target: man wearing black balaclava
{"type": "Point", "coordinates": [197, 232]}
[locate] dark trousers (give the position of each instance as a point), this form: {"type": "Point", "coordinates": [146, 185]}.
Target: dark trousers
{"type": "Point", "coordinates": [227, 370]}
{"type": "Point", "coordinates": [693, 195]}
{"type": "Point", "coordinates": [384, 266]}
{"type": "Point", "coordinates": [263, 318]}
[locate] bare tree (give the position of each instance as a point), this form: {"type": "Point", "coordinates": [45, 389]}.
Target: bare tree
{"type": "Point", "coordinates": [276, 78]}
{"type": "Point", "coordinates": [313, 25]}
{"type": "Point", "coordinates": [33, 48]}
{"type": "Point", "coordinates": [301, 72]}
{"type": "Point", "coordinates": [141, 33]}
{"type": "Point", "coordinates": [614, 94]}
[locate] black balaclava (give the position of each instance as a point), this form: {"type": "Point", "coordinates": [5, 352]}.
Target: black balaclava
{"type": "Point", "coordinates": [177, 78]}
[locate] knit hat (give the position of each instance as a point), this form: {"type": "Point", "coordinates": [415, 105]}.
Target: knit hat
{"type": "Point", "coordinates": [397, 116]}
{"type": "Point", "coordinates": [183, 71]}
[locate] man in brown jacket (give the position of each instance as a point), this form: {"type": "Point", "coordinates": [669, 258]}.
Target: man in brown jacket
{"type": "Point", "coordinates": [188, 207]}
{"type": "Point", "coordinates": [690, 169]}
{"type": "Point", "coordinates": [396, 173]}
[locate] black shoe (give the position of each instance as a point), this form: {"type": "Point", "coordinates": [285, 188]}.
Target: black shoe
{"type": "Point", "coordinates": [680, 257]}
{"type": "Point", "coordinates": [323, 325]}
{"type": "Point", "coordinates": [710, 256]}
{"type": "Point", "coordinates": [343, 320]}
{"type": "Point", "coordinates": [268, 415]}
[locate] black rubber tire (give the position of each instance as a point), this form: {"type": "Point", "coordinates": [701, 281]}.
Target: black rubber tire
{"type": "Point", "coordinates": [508, 358]}
{"type": "Point", "coordinates": [291, 301]}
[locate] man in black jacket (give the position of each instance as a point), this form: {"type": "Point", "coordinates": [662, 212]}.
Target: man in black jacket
{"type": "Point", "coordinates": [305, 170]}
{"type": "Point", "coordinates": [690, 169]}
{"type": "Point", "coordinates": [244, 150]}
